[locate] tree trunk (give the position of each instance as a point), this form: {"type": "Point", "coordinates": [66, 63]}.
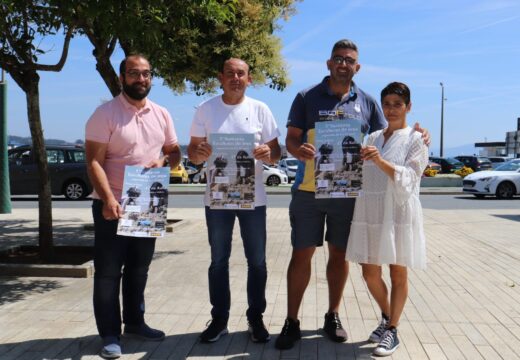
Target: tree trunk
{"type": "Point", "coordinates": [107, 72]}
{"type": "Point", "coordinates": [38, 146]}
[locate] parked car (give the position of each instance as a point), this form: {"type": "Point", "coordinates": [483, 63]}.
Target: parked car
{"type": "Point", "coordinates": [201, 176]}
{"type": "Point", "coordinates": [192, 169]}
{"type": "Point", "coordinates": [498, 160]}
{"type": "Point", "coordinates": [67, 171]}
{"type": "Point", "coordinates": [476, 163]}
{"type": "Point", "coordinates": [273, 176]}
{"type": "Point", "coordinates": [448, 165]}
{"type": "Point", "coordinates": [179, 175]}
{"type": "Point", "coordinates": [434, 166]}
{"type": "Point", "coordinates": [503, 182]}
{"type": "Point", "coordinates": [289, 166]}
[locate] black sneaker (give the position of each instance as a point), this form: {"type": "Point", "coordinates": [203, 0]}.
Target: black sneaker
{"type": "Point", "coordinates": [289, 335]}
{"type": "Point", "coordinates": [375, 337]}
{"type": "Point", "coordinates": [257, 331]}
{"type": "Point", "coordinates": [333, 327]}
{"type": "Point", "coordinates": [143, 332]}
{"type": "Point", "coordinates": [388, 344]}
{"type": "Point", "coordinates": [216, 328]}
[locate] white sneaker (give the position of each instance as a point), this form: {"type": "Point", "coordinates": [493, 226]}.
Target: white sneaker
{"type": "Point", "coordinates": [111, 352]}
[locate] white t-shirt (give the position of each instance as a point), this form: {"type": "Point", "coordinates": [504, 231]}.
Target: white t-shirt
{"type": "Point", "coordinates": [249, 117]}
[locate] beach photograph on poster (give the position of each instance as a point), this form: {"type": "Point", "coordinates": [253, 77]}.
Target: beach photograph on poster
{"type": "Point", "coordinates": [338, 164]}
{"type": "Point", "coordinates": [231, 171]}
{"type": "Point", "coordinates": [144, 202]}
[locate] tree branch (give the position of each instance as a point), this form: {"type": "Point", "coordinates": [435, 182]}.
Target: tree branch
{"type": "Point", "coordinates": [59, 65]}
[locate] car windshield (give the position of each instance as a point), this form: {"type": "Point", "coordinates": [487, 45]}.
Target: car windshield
{"type": "Point", "coordinates": [292, 162]}
{"type": "Point", "coordinates": [483, 160]}
{"type": "Point", "coordinates": [509, 166]}
{"type": "Point", "coordinates": [453, 161]}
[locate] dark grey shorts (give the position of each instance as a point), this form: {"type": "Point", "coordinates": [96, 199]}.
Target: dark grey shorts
{"type": "Point", "coordinates": [308, 217]}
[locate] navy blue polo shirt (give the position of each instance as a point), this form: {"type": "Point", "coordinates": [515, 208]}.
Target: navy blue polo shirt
{"type": "Point", "coordinates": [318, 103]}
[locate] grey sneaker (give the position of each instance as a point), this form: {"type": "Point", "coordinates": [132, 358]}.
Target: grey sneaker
{"type": "Point", "coordinates": [111, 348]}
{"type": "Point", "coordinates": [389, 343]}
{"type": "Point", "coordinates": [375, 337]}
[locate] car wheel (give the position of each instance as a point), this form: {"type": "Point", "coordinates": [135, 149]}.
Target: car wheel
{"type": "Point", "coordinates": [273, 180]}
{"type": "Point", "coordinates": [75, 190]}
{"type": "Point", "coordinates": [505, 190]}
{"type": "Point", "coordinates": [479, 196]}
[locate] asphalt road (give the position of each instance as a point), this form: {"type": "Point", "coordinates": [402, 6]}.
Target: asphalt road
{"type": "Point", "coordinates": [439, 202]}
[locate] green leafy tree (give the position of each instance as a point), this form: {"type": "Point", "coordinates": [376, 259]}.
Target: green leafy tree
{"type": "Point", "coordinates": [186, 41]}
{"type": "Point", "coordinates": [25, 24]}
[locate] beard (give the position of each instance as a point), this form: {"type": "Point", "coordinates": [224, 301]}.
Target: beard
{"type": "Point", "coordinates": [135, 90]}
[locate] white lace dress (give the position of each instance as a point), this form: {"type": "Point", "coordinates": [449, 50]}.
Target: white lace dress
{"type": "Point", "coordinates": [387, 227]}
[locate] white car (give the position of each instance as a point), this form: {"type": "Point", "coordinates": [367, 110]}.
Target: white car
{"type": "Point", "coordinates": [289, 166]}
{"type": "Point", "coordinates": [504, 181]}
{"type": "Point", "coordinates": [273, 176]}
{"type": "Point", "coordinates": [496, 161]}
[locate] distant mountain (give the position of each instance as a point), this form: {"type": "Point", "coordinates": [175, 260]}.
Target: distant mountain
{"type": "Point", "coordinates": [21, 140]}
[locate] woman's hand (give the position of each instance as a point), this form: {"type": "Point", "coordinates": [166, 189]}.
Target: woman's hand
{"type": "Point", "coordinates": [370, 153]}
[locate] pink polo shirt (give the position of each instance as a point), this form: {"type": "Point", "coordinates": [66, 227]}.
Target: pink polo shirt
{"type": "Point", "coordinates": [134, 137]}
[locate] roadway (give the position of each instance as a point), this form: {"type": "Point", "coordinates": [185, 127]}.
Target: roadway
{"type": "Point", "coordinates": [281, 200]}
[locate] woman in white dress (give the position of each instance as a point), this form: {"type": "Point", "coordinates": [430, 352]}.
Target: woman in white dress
{"type": "Point", "coordinates": [387, 225]}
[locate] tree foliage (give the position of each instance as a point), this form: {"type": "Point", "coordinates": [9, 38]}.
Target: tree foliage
{"type": "Point", "coordinates": [186, 41]}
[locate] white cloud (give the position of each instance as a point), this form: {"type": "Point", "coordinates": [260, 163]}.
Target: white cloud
{"type": "Point", "coordinates": [490, 24]}
{"type": "Point", "coordinates": [304, 39]}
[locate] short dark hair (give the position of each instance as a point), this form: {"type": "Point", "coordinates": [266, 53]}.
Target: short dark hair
{"type": "Point", "coordinates": [122, 65]}
{"type": "Point", "coordinates": [223, 63]}
{"type": "Point", "coordinates": [397, 88]}
{"type": "Point", "coordinates": [344, 44]}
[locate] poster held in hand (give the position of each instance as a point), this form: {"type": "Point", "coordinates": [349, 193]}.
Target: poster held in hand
{"type": "Point", "coordinates": [337, 164]}
{"type": "Point", "coordinates": [144, 202]}
{"type": "Point", "coordinates": [231, 172]}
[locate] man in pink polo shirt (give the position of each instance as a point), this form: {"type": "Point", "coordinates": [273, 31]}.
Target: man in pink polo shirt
{"type": "Point", "coordinates": [128, 130]}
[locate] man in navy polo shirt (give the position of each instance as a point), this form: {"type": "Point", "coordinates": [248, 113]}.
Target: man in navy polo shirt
{"type": "Point", "coordinates": [336, 97]}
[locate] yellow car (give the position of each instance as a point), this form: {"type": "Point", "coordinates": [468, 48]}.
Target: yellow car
{"type": "Point", "coordinates": [179, 175]}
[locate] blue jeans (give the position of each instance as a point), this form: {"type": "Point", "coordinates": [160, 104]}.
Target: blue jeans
{"type": "Point", "coordinates": [253, 232]}
{"type": "Point", "coordinates": [111, 254]}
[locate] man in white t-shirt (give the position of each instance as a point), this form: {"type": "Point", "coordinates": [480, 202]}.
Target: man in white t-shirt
{"type": "Point", "coordinates": [235, 113]}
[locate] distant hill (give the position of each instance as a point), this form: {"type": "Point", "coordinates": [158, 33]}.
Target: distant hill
{"type": "Point", "coordinates": [468, 149]}
{"type": "Point", "coordinates": [21, 140]}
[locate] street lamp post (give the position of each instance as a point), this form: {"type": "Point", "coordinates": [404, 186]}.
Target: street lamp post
{"type": "Point", "coordinates": [442, 117]}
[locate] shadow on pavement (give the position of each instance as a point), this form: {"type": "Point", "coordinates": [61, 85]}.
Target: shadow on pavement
{"type": "Point", "coordinates": [13, 289]}
{"type": "Point", "coordinates": [233, 346]}
{"type": "Point", "coordinates": [23, 232]}
{"type": "Point", "coordinates": [508, 217]}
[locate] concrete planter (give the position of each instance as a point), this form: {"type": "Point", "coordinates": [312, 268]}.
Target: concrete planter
{"type": "Point", "coordinates": [442, 180]}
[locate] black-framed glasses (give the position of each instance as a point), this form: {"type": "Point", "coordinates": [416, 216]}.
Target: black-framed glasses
{"type": "Point", "coordinates": [135, 74]}
{"type": "Point", "coordinates": [338, 60]}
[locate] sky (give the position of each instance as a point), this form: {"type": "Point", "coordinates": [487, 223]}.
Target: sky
{"type": "Point", "coordinates": [471, 46]}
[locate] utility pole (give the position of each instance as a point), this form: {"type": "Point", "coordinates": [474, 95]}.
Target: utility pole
{"type": "Point", "coordinates": [442, 118]}
{"type": "Point", "coordinates": [5, 190]}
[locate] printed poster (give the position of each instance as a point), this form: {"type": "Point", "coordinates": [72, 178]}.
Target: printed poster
{"type": "Point", "coordinates": [144, 202]}
{"type": "Point", "coordinates": [231, 170]}
{"type": "Point", "coordinates": [337, 165]}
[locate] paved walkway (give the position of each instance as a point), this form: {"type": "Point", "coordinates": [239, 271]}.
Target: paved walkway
{"type": "Point", "coordinates": [465, 306]}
